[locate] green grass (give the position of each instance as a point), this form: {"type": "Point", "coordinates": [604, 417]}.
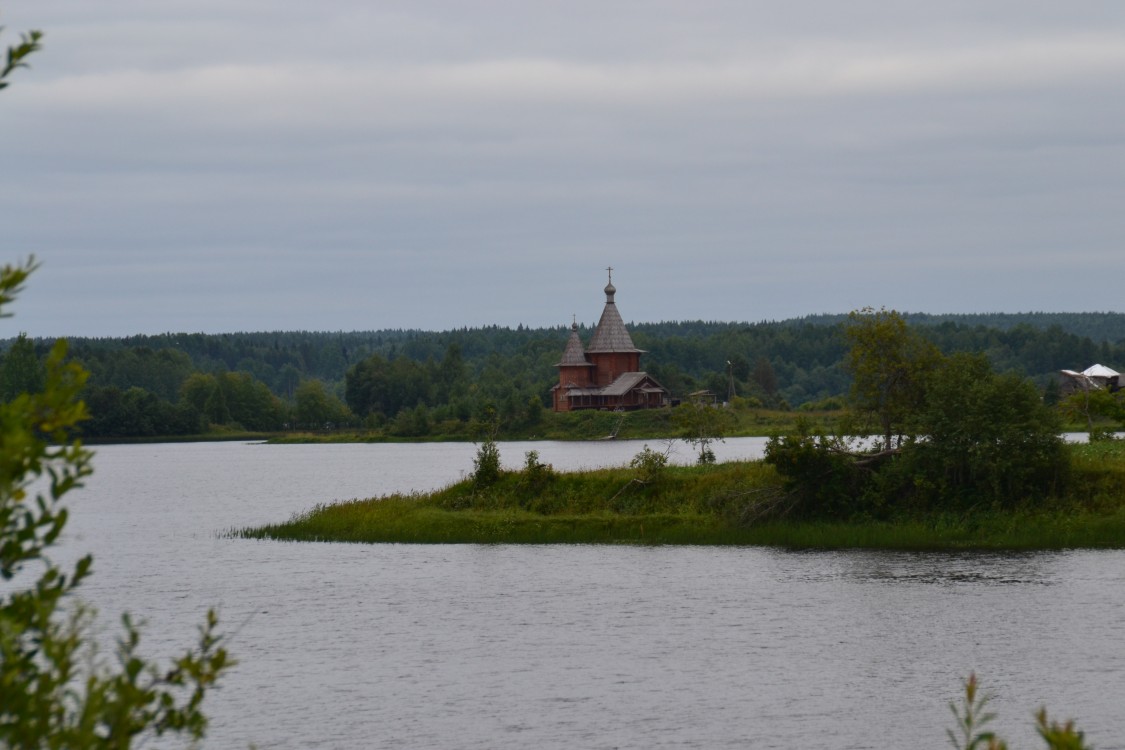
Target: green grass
{"type": "Point", "coordinates": [209, 437]}
{"type": "Point", "coordinates": [708, 505]}
{"type": "Point", "coordinates": [651, 424]}
{"type": "Point", "coordinates": [1019, 531]}
{"type": "Point", "coordinates": [399, 520]}
{"type": "Point", "coordinates": [405, 521]}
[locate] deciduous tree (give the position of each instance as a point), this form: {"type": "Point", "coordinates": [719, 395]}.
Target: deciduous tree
{"type": "Point", "coordinates": [983, 437]}
{"type": "Point", "coordinates": [1101, 411]}
{"type": "Point", "coordinates": [888, 363]}
{"type": "Point", "coordinates": [316, 407]}
{"type": "Point", "coordinates": [700, 425]}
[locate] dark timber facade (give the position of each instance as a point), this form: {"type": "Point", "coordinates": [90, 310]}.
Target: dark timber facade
{"type": "Point", "coordinates": [607, 373]}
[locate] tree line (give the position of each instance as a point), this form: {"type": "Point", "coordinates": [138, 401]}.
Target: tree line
{"type": "Point", "coordinates": [414, 383]}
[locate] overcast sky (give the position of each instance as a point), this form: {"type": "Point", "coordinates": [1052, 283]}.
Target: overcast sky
{"type": "Point", "coordinates": [244, 165]}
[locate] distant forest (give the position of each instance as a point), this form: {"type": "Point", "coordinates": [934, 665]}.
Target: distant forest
{"type": "Point", "coordinates": [412, 383]}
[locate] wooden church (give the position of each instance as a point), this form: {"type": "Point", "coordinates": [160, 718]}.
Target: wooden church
{"type": "Point", "coordinates": [606, 374]}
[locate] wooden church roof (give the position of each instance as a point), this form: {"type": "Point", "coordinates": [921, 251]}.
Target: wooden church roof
{"type": "Point", "coordinates": [574, 355]}
{"type": "Point", "coordinates": [611, 334]}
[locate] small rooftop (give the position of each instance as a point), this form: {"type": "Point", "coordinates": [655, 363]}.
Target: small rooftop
{"type": "Point", "coordinates": [1099, 371]}
{"type": "Point", "coordinates": [574, 355]}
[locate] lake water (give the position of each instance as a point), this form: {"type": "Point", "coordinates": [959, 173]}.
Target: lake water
{"type": "Point", "coordinates": [473, 646]}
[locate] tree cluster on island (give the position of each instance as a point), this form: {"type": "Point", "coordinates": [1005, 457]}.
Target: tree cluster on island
{"type": "Point", "coordinates": [947, 433]}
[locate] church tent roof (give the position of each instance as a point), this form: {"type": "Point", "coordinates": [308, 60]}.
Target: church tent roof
{"type": "Point", "coordinates": [611, 334]}
{"type": "Point", "coordinates": [574, 355]}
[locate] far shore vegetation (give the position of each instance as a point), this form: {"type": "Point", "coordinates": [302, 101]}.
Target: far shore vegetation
{"type": "Point", "coordinates": [409, 385]}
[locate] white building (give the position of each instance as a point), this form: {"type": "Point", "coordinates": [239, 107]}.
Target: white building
{"type": "Point", "coordinates": [1092, 378]}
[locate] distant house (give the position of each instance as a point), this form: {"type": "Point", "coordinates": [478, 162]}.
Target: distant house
{"type": "Point", "coordinates": [607, 373]}
{"type": "Point", "coordinates": [1095, 377]}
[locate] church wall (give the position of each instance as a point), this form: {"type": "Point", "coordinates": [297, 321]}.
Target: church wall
{"type": "Point", "coordinates": [609, 365]}
{"type": "Point", "coordinates": [579, 376]}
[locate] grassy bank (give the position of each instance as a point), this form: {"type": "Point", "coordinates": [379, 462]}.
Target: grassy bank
{"type": "Point", "coordinates": [652, 424]}
{"type": "Point", "coordinates": [209, 437]}
{"type": "Point", "coordinates": [398, 520]}
{"type": "Point", "coordinates": [722, 504]}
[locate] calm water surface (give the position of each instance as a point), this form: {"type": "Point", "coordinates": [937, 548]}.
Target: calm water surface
{"type": "Point", "coordinates": [464, 646]}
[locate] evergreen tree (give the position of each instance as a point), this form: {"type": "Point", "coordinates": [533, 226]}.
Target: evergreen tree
{"type": "Point", "coordinates": [20, 370]}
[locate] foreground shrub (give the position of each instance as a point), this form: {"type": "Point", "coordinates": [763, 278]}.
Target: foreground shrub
{"type": "Point", "coordinates": [973, 719]}
{"type": "Point", "coordinates": [54, 692]}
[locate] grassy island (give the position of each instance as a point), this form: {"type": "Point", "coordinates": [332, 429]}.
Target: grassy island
{"type": "Point", "coordinates": [956, 456]}
{"type": "Point", "coordinates": [738, 503]}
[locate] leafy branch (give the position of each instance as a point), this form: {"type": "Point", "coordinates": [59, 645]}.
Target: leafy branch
{"type": "Point", "coordinates": [29, 43]}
